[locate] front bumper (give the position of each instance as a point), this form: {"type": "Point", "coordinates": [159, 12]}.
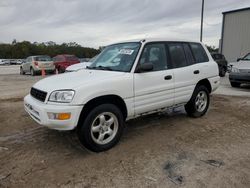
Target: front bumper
{"type": "Point", "coordinates": [39, 112]}
{"type": "Point", "coordinates": [239, 77]}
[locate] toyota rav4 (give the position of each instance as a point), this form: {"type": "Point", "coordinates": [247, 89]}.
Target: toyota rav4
{"type": "Point", "coordinates": [126, 80]}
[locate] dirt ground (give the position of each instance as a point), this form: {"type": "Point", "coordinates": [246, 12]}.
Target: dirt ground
{"type": "Point", "coordinates": [167, 150]}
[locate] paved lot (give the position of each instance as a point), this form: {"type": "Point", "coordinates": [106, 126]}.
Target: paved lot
{"type": "Point", "coordinates": [167, 150]}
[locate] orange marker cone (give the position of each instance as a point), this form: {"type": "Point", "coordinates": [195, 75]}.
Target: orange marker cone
{"type": "Point", "coordinates": [43, 72]}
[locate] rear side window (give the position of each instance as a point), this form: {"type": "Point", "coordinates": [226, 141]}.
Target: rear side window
{"type": "Point", "coordinates": [177, 55]}
{"type": "Point", "coordinates": [188, 53]}
{"type": "Point", "coordinates": [58, 59]}
{"type": "Point", "coordinates": [200, 54]}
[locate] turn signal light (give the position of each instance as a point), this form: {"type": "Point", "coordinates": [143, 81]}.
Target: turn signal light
{"type": "Point", "coordinates": [59, 116]}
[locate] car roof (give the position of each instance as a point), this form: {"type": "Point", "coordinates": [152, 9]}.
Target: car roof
{"type": "Point", "coordinates": [65, 55]}
{"type": "Point", "coordinates": [158, 40]}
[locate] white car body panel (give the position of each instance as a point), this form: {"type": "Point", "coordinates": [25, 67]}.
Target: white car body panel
{"type": "Point", "coordinates": [78, 66]}
{"type": "Point", "coordinates": [152, 91]}
{"type": "Point", "coordinates": [141, 92]}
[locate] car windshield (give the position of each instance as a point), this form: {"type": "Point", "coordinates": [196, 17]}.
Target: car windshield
{"type": "Point", "coordinates": [42, 58]}
{"type": "Point", "coordinates": [117, 57]}
{"type": "Point", "coordinates": [247, 57]}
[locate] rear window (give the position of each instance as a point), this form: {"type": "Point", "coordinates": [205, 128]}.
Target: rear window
{"type": "Point", "coordinates": [42, 58]}
{"type": "Point", "coordinates": [200, 54]}
{"type": "Point", "coordinates": [71, 58]}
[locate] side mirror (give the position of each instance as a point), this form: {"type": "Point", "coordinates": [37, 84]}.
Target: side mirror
{"type": "Point", "coordinates": [238, 59]}
{"type": "Point", "coordinates": [145, 67]}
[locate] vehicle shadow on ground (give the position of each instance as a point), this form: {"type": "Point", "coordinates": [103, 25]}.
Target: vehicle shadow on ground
{"type": "Point", "coordinates": [132, 129]}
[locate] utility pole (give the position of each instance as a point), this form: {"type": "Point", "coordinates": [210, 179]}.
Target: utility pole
{"type": "Point", "coordinates": [202, 12]}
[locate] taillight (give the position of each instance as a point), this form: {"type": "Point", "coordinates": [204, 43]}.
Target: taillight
{"type": "Point", "coordinates": [35, 63]}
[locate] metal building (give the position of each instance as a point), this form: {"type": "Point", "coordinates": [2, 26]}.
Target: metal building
{"type": "Point", "coordinates": [235, 36]}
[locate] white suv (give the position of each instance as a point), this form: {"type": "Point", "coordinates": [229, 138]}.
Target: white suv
{"type": "Point", "coordinates": [126, 80]}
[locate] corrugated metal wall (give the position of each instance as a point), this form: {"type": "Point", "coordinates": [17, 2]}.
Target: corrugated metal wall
{"type": "Point", "coordinates": [236, 35]}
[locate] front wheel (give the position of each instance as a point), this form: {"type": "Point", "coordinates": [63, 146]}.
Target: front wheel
{"type": "Point", "coordinates": [102, 128]}
{"type": "Point", "coordinates": [199, 102]}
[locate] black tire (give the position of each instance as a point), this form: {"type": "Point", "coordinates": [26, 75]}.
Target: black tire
{"type": "Point", "coordinates": [60, 70]}
{"type": "Point", "coordinates": [32, 72]}
{"type": "Point", "coordinates": [191, 107]}
{"type": "Point", "coordinates": [21, 71]}
{"type": "Point", "coordinates": [235, 84]}
{"type": "Point", "coordinates": [85, 126]}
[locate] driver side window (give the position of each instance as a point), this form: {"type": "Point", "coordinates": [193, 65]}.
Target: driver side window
{"type": "Point", "coordinates": [155, 53]}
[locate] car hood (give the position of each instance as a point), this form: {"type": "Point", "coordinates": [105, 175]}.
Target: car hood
{"type": "Point", "coordinates": [72, 80]}
{"type": "Point", "coordinates": [242, 65]}
{"type": "Point", "coordinates": [78, 66]}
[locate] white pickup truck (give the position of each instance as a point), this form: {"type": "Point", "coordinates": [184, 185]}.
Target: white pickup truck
{"type": "Point", "coordinates": [126, 80]}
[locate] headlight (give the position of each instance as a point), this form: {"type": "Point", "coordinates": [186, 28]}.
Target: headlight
{"type": "Point", "coordinates": [63, 96]}
{"type": "Point", "coordinates": [234, 69]}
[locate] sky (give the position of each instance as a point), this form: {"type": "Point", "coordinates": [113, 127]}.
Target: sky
{"type": "Point", "coordinates": [94, 23]}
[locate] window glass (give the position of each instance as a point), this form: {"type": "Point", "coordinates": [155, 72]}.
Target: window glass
{"type": "Point", "coordinates": [247, 57]}
{"type": "Point", "coordinates": [199, 53]}
{"type": "Point", "coordinates": [42, 58]}
{"type": "Point", "coordinates": [188, 53]}
{"type": "Point", "coordinates": [177, 55]}
{"type": "Point", "coordinates": [71, 58]}
{"type": "Point", "coordinates": [155, 53]}
{"type": "Point", "coordinates": [117, 57]}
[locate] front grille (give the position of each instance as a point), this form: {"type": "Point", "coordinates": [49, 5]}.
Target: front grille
{"type": "Point", "coordinates": [38, 94]}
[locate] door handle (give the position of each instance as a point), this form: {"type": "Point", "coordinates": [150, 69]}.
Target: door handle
{"type": "Point", "coordinates": [196, 72]}
{"type": "Point", "coordinates": [168, 77]}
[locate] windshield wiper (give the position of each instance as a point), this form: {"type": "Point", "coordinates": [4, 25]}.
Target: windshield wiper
{"type": "Point", "coordinates": [100, 68]}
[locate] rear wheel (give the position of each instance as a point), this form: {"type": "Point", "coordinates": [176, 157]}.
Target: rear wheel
{"type": "Point", "coordinates": [32, 72]}
{"type": "Point", "coordinates": [102, 128]}
{"type": "Point", "coordinates": [199, 102]}
{"type": "Point", "coordinates": [21, 71]}
{"type": "Point", "coordinates": [235, 84]}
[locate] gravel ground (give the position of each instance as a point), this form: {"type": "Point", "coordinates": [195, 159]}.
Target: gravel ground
{"type": "Point", "coordinates": [166, 150]}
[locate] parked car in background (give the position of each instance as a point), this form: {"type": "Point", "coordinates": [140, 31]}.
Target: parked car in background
{"type": "Point", "coordinates": [81, 65]}
{"type": "Point", "coordinates": [240, 71]}
{"type": "Point", "coordinates": [222, 63]}
{"type": "Point", "coordinates": [5, 62]}
{"type": "Point", "coordinates": [19, 61]}
{"type": "Point", "coordinates": [35, 64]}
{"type": "Point", "coordinates": [13, 61]}
{"type": "Point", "coordinates": [84, 59]}
{"type": "Point", "coordinates": [127, 80]}
{"type": "Point", "coordinates": [63, 61]}
{"type": "Point", "coordinates": [2, 62]}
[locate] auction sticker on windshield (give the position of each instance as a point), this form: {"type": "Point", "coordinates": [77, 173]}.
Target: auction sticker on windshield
{"type": "Point", "coordinates": [126, 51]}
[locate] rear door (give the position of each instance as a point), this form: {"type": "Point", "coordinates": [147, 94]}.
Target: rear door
{"type": "Point", "coordinates": [154, 89]}
{"type": "Point", "coordinates": [186, 71]}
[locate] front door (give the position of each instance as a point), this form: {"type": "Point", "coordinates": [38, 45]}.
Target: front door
{"type": "Point", "coordinates": [153, 89]}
